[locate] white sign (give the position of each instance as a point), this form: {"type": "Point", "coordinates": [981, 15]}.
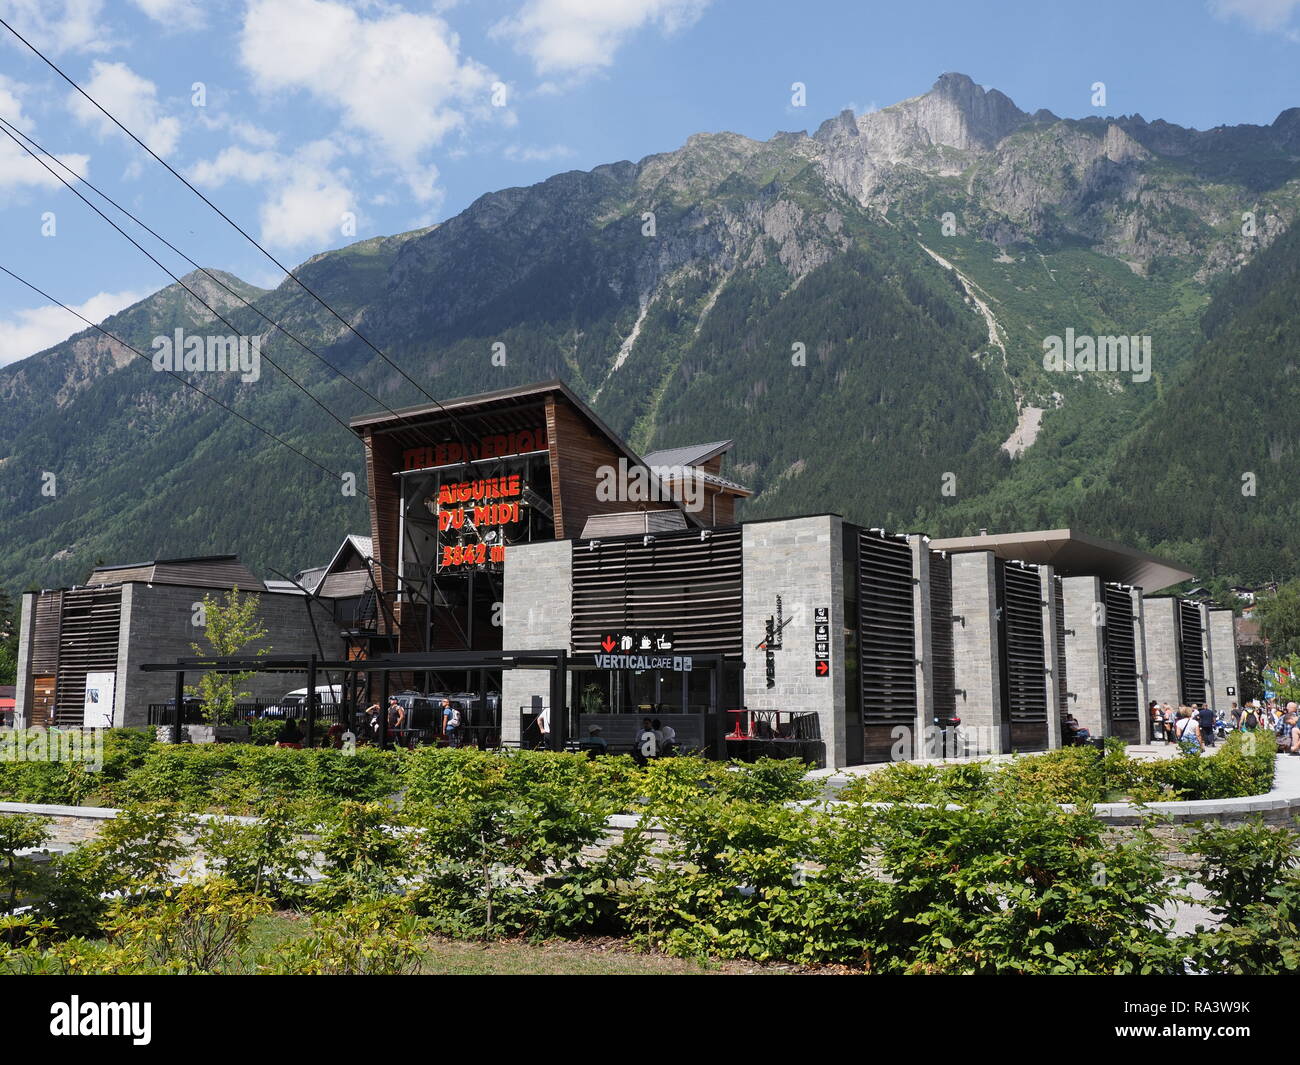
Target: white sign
{"type": "Point", "coordinates": [97, 711]}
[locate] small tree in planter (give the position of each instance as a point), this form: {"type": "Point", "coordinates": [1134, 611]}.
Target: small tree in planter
{"type": "Point", "coordinates": [232, 625]}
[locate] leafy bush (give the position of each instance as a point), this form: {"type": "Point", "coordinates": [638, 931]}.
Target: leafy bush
{"type": "Point", "coordinates": [752, 880]}
{"type": "Point", "coordinates": [1011, 888]}
{"type": "Point", "coordinates": [194, 928]}
{"type": "Point", "coordinates": [374, 938]}
{"type": "Point", "coordinates": [1251, 874]}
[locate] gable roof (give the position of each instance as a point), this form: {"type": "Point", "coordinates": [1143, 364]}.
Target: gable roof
{"type": "Point", "coordinates": [691, 455]}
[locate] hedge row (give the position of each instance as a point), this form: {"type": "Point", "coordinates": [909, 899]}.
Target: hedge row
{"type": "Point", "coordinates": [1243, 765]}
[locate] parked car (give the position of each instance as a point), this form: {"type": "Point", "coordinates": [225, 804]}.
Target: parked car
{"type": "Point", "coordinates": [294, 703]}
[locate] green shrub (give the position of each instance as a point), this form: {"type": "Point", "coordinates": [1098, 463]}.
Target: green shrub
{"type": "Point", "coordinates": [1251, 874]}
{"type": "Point", "coordinates": [374, 938]}
{"type": "Point", "coordinates": [1006, 887]}
{"type": "Point", "coordinates": [754, 880]}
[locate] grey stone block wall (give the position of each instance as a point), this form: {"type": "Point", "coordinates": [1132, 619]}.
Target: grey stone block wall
{"type": "Point", "coordinates": [26, 629]}
{"type": "Point", "coordinates": [1051, 657]}
{"type": "Point", "coordinates": [1223, 660]}
{"type": "Point", "coordinates": [975, 652]}
{"type": "Point", "coordinates": [1081, 600]}
{"type": "Point", "coordinates": [537, 614]}
{"type": "Point", "coordinates": [802, 561]}
{"type": "Point", "coordinates": [1162, 650]}
{"type": "Point", "coordinates": [924, 632]}
{"type": "Point", "coordinates": [1140, 657]}
{"type": "Point", "coordinates": [158, 626]}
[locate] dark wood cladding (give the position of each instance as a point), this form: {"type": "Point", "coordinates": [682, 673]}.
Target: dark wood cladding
{"type": "Point", "coordinates": [88, 642]}
{"type": "Point", "coordinates": [578, 451]}
{"type": "Point", "coordinates": [1024, 668]}
{"type": "Point", "coordinates": [1191, 653]}
{"type": "Point", "coordinates": [942, 653]}
{"type": "Point", "coordinates": [45, 634]}
{"type": "Point", "coordinates": [383, 458]}
{"type": "Point", "coordinates": [679, 583]}
{"type": "Point", "coordinates": [1122, 706]}
{"type": "Point", "coordinates": [886, 636]}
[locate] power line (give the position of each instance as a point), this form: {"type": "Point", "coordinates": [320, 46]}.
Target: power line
{"type": "Point", "coordinates": [230, 221]}
{"type": "Point", "coordinates": [152, 258]}
{"type": "Point", "coordinates": [171, 373]}
{"type": "Point", "coordinates": [9, 127]}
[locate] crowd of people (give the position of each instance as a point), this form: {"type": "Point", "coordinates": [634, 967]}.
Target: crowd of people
{"type": "Point", "coordinates": [1197, 726]}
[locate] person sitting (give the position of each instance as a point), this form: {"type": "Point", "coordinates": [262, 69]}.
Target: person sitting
{"type": "Point", "coordinates": [646, 745]}
{"type": "Point", "coordinates": [667, 737]}
{"type": "Point", "coordinates": [594, 743]}
{"type": "Point", "coordinates": [290, 735]}
{"type": "Point", "coordinates": [1292, 723]}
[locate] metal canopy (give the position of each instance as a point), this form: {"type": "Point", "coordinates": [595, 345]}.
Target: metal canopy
{"type": "Point", "coordinates": [416, 662]}
{"type": "Point", "coordinates": [556, 661]}
{"type": "Point", "coordinates": [1074, 554]}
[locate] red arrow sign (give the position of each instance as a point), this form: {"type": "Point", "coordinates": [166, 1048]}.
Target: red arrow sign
{"type": "Point", "coordinates": [823, 668]}
{"type": "Point", "coordinates": [609, 643]}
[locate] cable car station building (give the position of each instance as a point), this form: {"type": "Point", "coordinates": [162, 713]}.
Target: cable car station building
{"type": "Point", "coordinates": [518, 521]}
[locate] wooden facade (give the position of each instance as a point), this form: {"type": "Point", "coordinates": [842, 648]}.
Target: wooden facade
{"type": "Point", "coordinates": [454, 436]}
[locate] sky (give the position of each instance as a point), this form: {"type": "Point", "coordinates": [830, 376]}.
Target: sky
{"type": "Point", "coordinates": [317, 123]}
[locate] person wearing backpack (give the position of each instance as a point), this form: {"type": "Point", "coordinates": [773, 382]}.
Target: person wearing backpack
{"type": "Point", "coordinates": [1250, 719]}
{"type": "Point", "coordinates": [451, 723]}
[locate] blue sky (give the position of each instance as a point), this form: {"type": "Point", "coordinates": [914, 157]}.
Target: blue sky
{"type": "Point", "coordinates": [317, 112]}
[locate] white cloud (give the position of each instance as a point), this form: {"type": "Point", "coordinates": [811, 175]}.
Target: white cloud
{"type": "Point", "coordinates": [58, 25]}
{"type": "Point", "coordinates": [308, 195]}
{"type": "Point", "coordinates": [1265, 15]}
{"type": "Point", "coordinates": [17, 168]}
{"type": "Point", "coordinates": [396, 76]}
{"type": "Point", "coordinates": [519, 154]}
{"type": "Point", "coordinates": [580, 37]}
{"type": "Point", "coordinates": [174, 14]}
{"type": "Point", "coordinates": [134, 102]}
{"type": "Point", "coordinates": [30, 331]}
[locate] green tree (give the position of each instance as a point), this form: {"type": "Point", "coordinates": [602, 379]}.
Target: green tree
{"type": "Point", "coordinates": [8, 639]}
{"type": "Point", "coordinates": [1279, 620]}
{"type": "Point", "coordinates": [232, 626]}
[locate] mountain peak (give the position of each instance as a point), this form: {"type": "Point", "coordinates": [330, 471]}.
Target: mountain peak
{"type": "Point", "coordinates": [969, 115]}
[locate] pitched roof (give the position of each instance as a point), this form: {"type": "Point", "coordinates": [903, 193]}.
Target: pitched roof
{"type": "Point", "coordinates": [691, 455]}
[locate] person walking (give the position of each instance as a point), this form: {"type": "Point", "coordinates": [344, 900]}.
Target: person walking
{"type": "Point", "coordinates": [1205, 720]}
{"type": "Point", "coordinates": [1188, 730]}
{"type": "Point", "coordinates": [1171, 724]}
{"type": "Point", "coordinates": [1157, 721]}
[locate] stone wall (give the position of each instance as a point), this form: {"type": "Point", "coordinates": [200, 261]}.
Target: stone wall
{"type": "Point", "coordinates": [801, 560]}
{"type": "Point", "coordinates": [1081, 601]}
{"type": "Point", "coordinates": [157, 626]}
{"type": "Point", "coordinates": [536, 615]}
{"type": "Point", "coordinates": [1163, 670]}
{"type": "Point", "coordinates": [1225, 688]}
{"type": "Point", "coordinates": [976, 673]}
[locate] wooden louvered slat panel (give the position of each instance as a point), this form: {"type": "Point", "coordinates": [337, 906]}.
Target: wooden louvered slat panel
{"type": "Point", "coordinates": [1191, 652]}
{"type": "Point", "coordinates": [1121, 664]}
{"type": "Point", "coordinates": [886, 636]}
{"type": "Point", "coordinates": [678, 583]}
{"type": "Point", "coordinates": [1062, 679]}
{"type": "Point", "coordinates": [88, 642]}
{"type": "Point", "coordinates": [45, 635]}
{"type": "Point", "coordinates": [1024, 669]}
{"type": "Point", "coordinates": [943, 669]}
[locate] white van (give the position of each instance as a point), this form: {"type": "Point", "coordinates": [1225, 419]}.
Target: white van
{"type": "Point", "coordinates": [294, 703]}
